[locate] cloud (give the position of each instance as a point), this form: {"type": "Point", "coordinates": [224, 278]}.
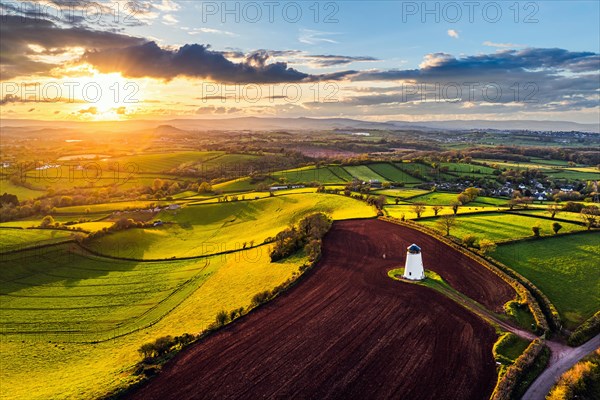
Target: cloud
{"type": "Point", "coordinates": [502, 45]}
{"type": "Point", "coordinates": [197, 61]}
{"type": "Point", "coordinates": [453, 33]}
{"type": "Point", "coordinates": [13, 98]}
{"type": "Point", "coordinates": [169, 19]}
{"type": "Point", "coordinates": [536, 78]}
{"type": "Point", "coordinates": [198, 31]}
{"type": "Point", "coordinates": [18, 34]}
{"type": "Point", "coordinates": [90, 110]}
{"type": "Point", "coordinates": [218, 110]}
{"type": "Point", "coordinates": [310, 36]}
{"type": "Point", "coordinates": [532, 62]}
{"type": "Point", "coordinates": [333, 60]}
{"type": "Point", "coordinates": [167, 6]}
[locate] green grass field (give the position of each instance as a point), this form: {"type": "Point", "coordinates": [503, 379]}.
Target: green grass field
{"type": "Point", "coordinates": [109, 207]}
{"type": "Point", "coordinates": [392, 174]}
{"type": "Point", "coordinates": [565, 268]}
{"type": "Point", "coordinates": [446, 199]}
{"type": "Point", "coordinates": [397, 211]}
{"type": "Point", "coordinates": [341, 173]}
{"type": "Point", "coordinates": [162, 162]}
{"type": "Point", "coordinates": [467, 169]}
{"type": "Point", "coordinates": [18, 239]}
{"type": "Point", "coordinates": [501, 226]}
{"type": "Point", "coordinates": [217, 227]}
{"type": "Point", "coordinates": [21, 192]}
{"type": "Point", "coordinates": [401, 193]}
{"type": "Point", "coordinates": [364, 173]}
{"type": "Point", "coordinates": [59, 291]}
{"type": "Point", "coordinates": [308, 174]}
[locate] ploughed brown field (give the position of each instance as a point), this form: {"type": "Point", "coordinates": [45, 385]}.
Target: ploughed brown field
{"type": "Point", "coordinates": [348, 331]}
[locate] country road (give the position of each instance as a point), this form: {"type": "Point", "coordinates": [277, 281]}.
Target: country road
{"type": "Point", "coordinates": [563, 358]}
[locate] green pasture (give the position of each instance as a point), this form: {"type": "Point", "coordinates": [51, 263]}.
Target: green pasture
{"type": "Point", "coordinates": [565, 268]}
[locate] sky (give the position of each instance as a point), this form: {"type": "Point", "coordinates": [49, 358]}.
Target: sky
{"type": "Point", "coordinates": [376, 60]}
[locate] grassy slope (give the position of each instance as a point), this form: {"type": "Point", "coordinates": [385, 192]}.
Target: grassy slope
{"type": "Point", "coordinates": [213, 228]}
{"type": "Point", "coordinates": [21, 192]}
{"type": "Point", "coordinates": [89, 370]}
{"type": "Point", "coordinates": [564, 268]}
{"type": "Point", "coordinates": [16, 239]}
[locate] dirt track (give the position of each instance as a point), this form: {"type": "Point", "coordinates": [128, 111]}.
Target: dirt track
{"type": "Point", "coordinates": [347, 331]}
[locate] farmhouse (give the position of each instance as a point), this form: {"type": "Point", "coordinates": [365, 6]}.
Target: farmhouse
{"type": "Point", "coordinates": [413, 268]}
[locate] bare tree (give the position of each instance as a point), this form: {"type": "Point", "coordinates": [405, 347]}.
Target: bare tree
{"type": "Point", "coordinates": [419, 208]}
{"type": "Point", "coordinates": [455, 206]}
{"type": "Point", "coordinates": [446, 222]}
{"type": "Point", "coordinates": [554, 210]}
{"type": "Point", "coordinates": [437, 209]}
{"type": "Point", "coordinates": [589, 215]}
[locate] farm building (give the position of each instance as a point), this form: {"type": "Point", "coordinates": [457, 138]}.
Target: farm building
{"type": "Point", "coordinates": [413, 268]}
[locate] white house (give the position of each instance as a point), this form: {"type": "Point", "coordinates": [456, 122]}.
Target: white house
{"type": "Point", "coordinates": [413, 268]}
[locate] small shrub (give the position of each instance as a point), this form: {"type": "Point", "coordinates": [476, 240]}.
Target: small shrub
{"type": "Point", "coordinates": [260, 298]}
{"type": "Point", "coordinates": [222, 318]}
{"type": "Point", "coordinates": [469, 240]}
{"type": "Point", "coordinates": [556, 227]}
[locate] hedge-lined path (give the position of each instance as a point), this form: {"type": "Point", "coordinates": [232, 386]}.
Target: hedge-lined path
{"type": "Point", "coordinates": [562, 359]}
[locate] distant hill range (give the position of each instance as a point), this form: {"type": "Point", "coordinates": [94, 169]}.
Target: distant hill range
{"type": "Point", "coordinates": [303, 124]}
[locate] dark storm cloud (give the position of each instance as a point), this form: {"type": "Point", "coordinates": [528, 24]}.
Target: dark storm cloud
{"type": "Point", "coordinates": [197, 61]}
{"type": "Point", "coordinates": [17, 33]}
{"type": "Point", "coordinates": [544, 62]}
{"type": "Point", "coordinates": [535, 78]}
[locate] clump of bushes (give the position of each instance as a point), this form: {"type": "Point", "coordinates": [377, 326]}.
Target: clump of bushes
{"type": "Point", "coordinates": [307, 235]}
{"type": "Point", "coordinates": [121, 225]}
{"type": "Point", "coordinates": [260, 298]}
{"type": "Point", "coordinates": [161, 350]}
{"type": "Point", "coordinates": [580, 382]}
{"type": "Point", "coordinates": [585, 331]}
{"type": "Point", "coordinates": [469, 240]}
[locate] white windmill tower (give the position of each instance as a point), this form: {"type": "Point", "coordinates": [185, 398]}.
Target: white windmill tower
{"type": "Point", "coordinates": [413, 269]}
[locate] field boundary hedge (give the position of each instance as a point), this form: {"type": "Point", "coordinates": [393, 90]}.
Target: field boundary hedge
{"type": "Point", "coordinates": [535, 238]}
{"type": "Point", "coordinates": [585, 331]}
{"type": "Point", "coordinates": [544, 217]}
{"type": "Point", "coordinates": [516, 374]}
{"type": "Point", "coordinates": [521, 290]}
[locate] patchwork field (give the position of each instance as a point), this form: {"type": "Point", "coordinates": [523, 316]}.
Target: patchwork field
{"type": "Point", "coordinates": [217, 227]}
{"type": "Point", "coordinates": [565, 268]}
